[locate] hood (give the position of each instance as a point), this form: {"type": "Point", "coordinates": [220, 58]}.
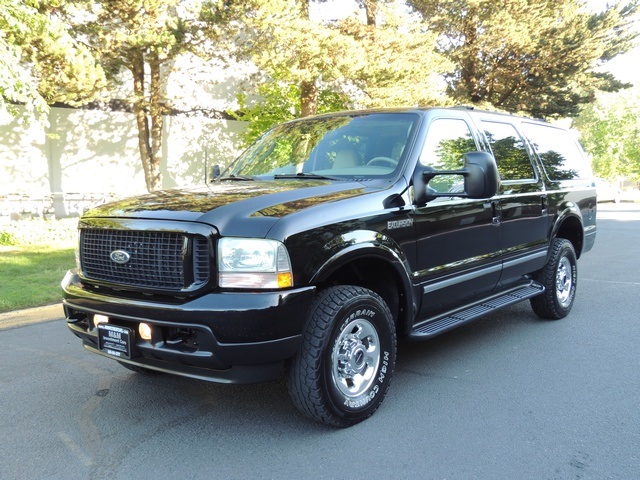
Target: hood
{"type": "Point", "coordinates": [246, 208]}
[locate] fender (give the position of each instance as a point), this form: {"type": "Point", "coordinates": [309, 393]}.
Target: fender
{"type": "Point", "coordinates": [358, 244]}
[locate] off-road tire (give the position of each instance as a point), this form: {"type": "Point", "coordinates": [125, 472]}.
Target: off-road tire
{"type": "Point", "coordinates": [342, 370]}
{"type": "Point", "coordinates": [559, 277]}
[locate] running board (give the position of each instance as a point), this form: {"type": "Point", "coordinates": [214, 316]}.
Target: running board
{"type": "Point", "coordinates": [447, 321]}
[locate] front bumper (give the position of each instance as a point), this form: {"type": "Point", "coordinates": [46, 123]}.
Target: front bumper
{"type": "Point", "coordinates": [228, 337]}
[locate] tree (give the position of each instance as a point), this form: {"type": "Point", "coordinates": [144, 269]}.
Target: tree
{"type": "Point", "coordinates": [297, 70]}
{"type": "Point", "coordinates": [610, 131]}
{"type": "Point", "coordinates": [280, 101]}
{"type": "Point", "coordinates": [144, 38]}
{"type": "Point", "coordinates": [287, 46]}
{"type": "Point", "coordinates": [40, 62]}
{"type": "Point", "coordinates": [401, 65]}
{"type": "Point", "coordinates": [139, 36]}
{"type": "Point", "coordinates": [530, 56]}
{"type": "Point", "coordinates": [310, 67]}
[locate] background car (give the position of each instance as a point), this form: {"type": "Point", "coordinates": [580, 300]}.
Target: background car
{"type": "Point", "coordinates": [607, 192]}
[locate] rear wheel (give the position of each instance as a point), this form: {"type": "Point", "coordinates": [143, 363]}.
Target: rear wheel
{"type": "Point", "coordinates": [342, 371]}
{"type": "Point", "coordinates": [560, 279]}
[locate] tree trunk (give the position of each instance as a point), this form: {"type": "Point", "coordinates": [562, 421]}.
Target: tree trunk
{"type": "Point", "coordinates": [149, 150]}
{"type": "Point", "coordinates": [371, 8]}
{"type": "Point", "coordinates": [155, 112]}
{"type": "Point", "coordinates": [308, 98]}
{"type": "Point", "coordinates": [470, 71]}
{"type": "Point", "coordinates": [308, 89]}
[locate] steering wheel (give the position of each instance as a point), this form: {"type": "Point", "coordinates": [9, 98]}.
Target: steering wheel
{"type": "Point", "coordinates": [383, 162]}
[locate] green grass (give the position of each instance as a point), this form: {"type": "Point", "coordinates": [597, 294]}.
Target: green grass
{"type": "Point", "coordinates": [30, 275]}
{"type": "Point", "coordinates": [34, 256]}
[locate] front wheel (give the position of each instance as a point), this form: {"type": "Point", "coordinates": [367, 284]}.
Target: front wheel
{"type": "Point", "coordinates": [559, 277]}
{"type": "Point", "coordinates": [342, 370]}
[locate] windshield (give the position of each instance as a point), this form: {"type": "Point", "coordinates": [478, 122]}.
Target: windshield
{"type": "Point", "coordinates": [339, 147]}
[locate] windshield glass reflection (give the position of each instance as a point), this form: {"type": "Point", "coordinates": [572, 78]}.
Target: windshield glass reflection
{"type": "Point", "coordinates": [335, 147]}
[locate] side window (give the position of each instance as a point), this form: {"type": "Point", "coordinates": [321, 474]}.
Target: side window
{"type": "Point", "coordinates": [561, 155]}
{"type": "Point", "coordinates": [448, 139]}
{"type": "Point", "coordinates": [509, 151]}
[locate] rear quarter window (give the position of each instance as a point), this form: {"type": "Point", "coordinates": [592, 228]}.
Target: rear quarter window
{"type": "Point", "coordinates": [560, 153]}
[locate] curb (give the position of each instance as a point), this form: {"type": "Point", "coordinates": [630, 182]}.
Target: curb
{"type": "Point", "coordinates": [30, 316]}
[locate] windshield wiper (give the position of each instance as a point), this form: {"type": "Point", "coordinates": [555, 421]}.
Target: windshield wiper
{"type": "Point", "coordinates": [235, 177]}
{"type": "Point", "coordinates": [306, 176]}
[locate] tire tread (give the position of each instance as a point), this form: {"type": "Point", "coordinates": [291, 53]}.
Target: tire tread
{"type": "Point", "coordinates": [545, 305]}
{"type": "Point", "coordinates": [305, 367]}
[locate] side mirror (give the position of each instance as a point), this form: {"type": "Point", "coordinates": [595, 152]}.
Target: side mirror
{"type": "Point", "coordinates": [480, 174]}
{"type": "Point", "coordinates": [481, 178]}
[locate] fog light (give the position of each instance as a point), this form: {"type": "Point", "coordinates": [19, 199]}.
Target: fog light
{"type": "Point", "coordinates": [98, 319]}
{"type": "Point", "coordinates": [144, 330]}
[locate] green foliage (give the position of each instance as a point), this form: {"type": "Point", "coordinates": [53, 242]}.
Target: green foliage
{"type": "Point", "coordinates": [531, 56]}
{"type": "Point", "coordinates": [289, 46]}
{"type": "Point", "coordinates": [309, 67]}
{"type": "Point", "coordinates": [35, 232]}
{"type": "Point", "coordinates": [8, 238]}
{"type": "Point", "coordinates": [610, 131]}
{"type": "Point", "coordinates": [401, 64]}
{"type": "Point", "coordinates": [286, 147]}
{"type": "Point", "coordinates": [513, 161]}
{"type": "Point", "coordinates": [289, 50]}
{"type": "Point", "coordinates": [145, 38]}
{"type": "Point", "coordinates": [40, 62]}
{"type": "Point", "coordinates": [280, 102]}
{"type": "Point", "coordinates": [16, 85]}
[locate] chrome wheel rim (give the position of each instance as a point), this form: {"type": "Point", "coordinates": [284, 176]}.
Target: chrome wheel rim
{"type": "Point", "coordinates": [355, 358]}
{"type": "Point", "coordinates": [564, 281]}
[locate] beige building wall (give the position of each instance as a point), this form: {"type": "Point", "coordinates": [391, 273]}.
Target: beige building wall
{"type": "Point", "coordinates": [91, 153]}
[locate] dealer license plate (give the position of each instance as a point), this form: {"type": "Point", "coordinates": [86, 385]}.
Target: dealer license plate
{"type": "Point", "coordinates": [115, 340]}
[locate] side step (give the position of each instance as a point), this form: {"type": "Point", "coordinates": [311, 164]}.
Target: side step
{"type": "Point", "coordinates": [452, 319]}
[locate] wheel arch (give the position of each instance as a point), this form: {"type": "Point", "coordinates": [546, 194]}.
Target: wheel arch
{"type": "Point", "coordinates": [569, 225]}
{"type": "Point", "coordinates": [379, 268]}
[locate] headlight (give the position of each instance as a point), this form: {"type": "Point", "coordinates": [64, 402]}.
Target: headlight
{"type": "Point", "coordinates": [253, 263]}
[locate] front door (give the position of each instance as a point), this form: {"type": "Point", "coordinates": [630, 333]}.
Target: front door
{"type": "Point", "coordinates": [458, 239]}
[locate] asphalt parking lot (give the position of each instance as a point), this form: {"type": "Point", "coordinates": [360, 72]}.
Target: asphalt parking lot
{"type": "Point", "coordinates": [506, 397]}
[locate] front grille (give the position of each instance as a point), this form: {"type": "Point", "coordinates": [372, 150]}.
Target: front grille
{"type": "Point", "coordinates": [152, 260]}
{"type": "Point", "coordinates": [201, 259]}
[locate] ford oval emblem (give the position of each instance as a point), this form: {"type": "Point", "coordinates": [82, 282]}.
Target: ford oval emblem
{"type": "Point", "coordinates": [120, 256]}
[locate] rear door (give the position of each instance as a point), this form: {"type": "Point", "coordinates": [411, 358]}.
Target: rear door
{"type": "Point", "coordinates": [522, 200]}
{"type": "Point", "coordinates": [458, 241]}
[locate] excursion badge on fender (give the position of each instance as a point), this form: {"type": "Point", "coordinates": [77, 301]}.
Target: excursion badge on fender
{"type": "Point", "coordinates": [405, 223]}
{"type": "Point", "coordinates": [120, 256]}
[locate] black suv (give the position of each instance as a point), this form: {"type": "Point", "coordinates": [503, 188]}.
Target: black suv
{"type": "Point", "coordinates": [327, 240]}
